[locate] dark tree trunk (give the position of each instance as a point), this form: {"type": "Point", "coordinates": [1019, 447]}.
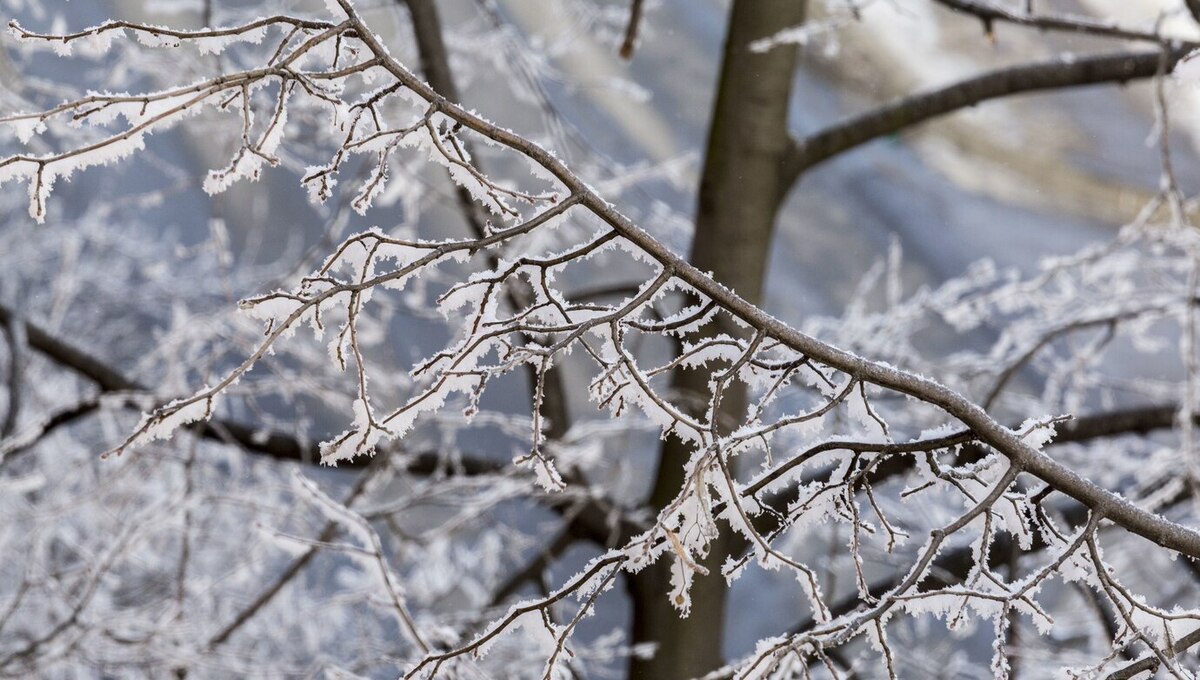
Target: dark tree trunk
{"type": "Point", "coordinates": [739, 196]}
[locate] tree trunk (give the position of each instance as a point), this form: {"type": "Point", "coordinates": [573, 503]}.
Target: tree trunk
{"type": "Point", "coordinates": [739, 195]}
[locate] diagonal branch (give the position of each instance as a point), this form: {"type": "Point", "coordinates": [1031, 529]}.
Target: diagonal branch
{"type": "Point", "coordinates": [1160, 530]}
{"type": "Point", "coordinates": [69, 356]}
{"type": "Point", "coordinates": [1062, 72]}
{"type": "Point", "coordinates": [298, 564]}
{"type": "Point", "coordinates": [533, 568]}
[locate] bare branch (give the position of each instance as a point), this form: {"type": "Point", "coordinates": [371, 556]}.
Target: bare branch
{"type": "Point", "coordinates": [1052, 75]}
{"type": "Point", "coordinates": [990, 12]}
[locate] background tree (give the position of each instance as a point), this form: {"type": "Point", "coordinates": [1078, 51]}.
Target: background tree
{"type": "Point", "coordinates": [940, 494]}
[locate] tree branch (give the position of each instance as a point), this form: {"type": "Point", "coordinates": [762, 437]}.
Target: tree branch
{"type": "Point", "coordinates": [297, 565]}
{"type": "Point", "coordinates": [596, 520]}
{"type": "Point", "coordinates": [533, 568]}
{"type": "Point", "coordinates": [957, 563]}
{"type": "Point", "coordinates": [110, 380]}
{"type": "Point", "coordinates": [435, 66]}
{"type": "Point", "coordinates": [1063, 72]}
{"type": "Point", "coordinates": [65, 354]}
{"type": "Point", "coordinates": [1151, 663]}
{"type": "Point", "coordinates": [990, 13]}
{"type": "Point", "coordinates": [629, 42]}
{"type": "Point", "coordinates": [1160, 530]}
